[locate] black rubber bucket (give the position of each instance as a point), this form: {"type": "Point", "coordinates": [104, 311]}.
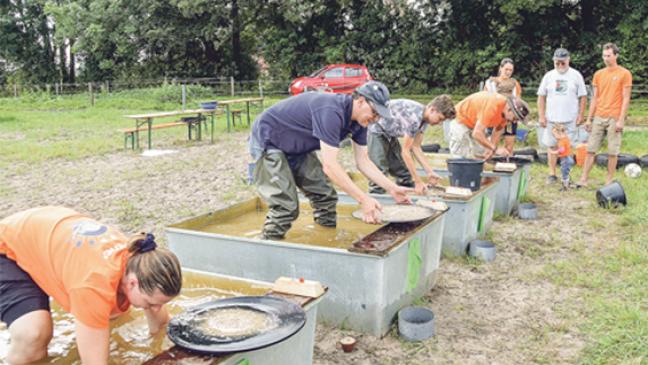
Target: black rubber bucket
{"type": "Point", "coordinates": [611, 195]}
{"type": "Point", "coordinates": [465, 172]}
{"type": "Point", "coordinates": [431, 148]}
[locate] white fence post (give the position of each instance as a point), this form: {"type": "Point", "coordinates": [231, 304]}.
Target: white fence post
{"type": "Point", "coordinates": [232, 85]}
{"type": "Point", "coordinates": [260, 89]}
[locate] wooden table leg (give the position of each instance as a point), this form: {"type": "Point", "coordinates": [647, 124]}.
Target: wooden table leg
{"type": "Point", "coordinates": [212, 126]}
{"type": "Point", "coordinates": [227, 112]}
{"type": "Point", "coordinates": [149, 121]}
{"type": "Point", "coordinates": [247, 103]}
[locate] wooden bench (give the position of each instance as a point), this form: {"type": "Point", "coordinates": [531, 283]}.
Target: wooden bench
{"type": "Point", "coordinates": [236, 113]}
{"type": "Point", "coordinates": [130, 133]}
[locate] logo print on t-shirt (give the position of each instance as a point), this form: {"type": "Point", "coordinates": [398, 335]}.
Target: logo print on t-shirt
{"type": "Point", "coordinates": [86, 230]}
{"type": "Point", "coordinates": [561, 87]}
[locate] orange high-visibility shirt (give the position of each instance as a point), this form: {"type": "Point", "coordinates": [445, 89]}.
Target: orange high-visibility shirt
{"type": "Point", "coordinates": [485, 107]}
{"type": "Point", "coordinates": [73, 258]}
{"type": "Point", "coordinates": [609, 83]}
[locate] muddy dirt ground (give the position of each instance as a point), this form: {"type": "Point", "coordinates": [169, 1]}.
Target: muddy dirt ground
{"type": "Point", "coordinates": [504, 312]}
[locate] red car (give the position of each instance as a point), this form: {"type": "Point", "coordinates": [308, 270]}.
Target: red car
{"type": "Point", "coordinates": [338, 78]}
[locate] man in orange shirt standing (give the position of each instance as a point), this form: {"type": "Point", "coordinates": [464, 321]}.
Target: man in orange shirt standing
{"type": "Point", "coordinates": [92, 270]}
{"type": "Point", "coordinates": [611, 88]}
{"type": "Point", "coordinates": [475, 114]}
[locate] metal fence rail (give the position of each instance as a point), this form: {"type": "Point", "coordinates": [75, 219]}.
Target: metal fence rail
{"type": "Point", "coordinates": [216, 86]}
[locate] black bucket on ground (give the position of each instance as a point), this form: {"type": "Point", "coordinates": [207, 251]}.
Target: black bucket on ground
{"type": "Point", "coordinates": [465, 172]}
{"type": "Point", "coordinates": [431, 148]}
{"type": "Point", "coordinates": [611, 195]}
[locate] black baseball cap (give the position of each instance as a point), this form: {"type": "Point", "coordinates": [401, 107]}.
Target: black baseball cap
{"type": "Point", "coordinates": [377, 95]}
{"type": "Point", "coordinates": [519, 107]}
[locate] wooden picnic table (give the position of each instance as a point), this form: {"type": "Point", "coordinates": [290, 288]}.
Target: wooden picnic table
{"type": "Point", "coordinates": [247, 102]}
{"type": "Point", "coordinates": [147, 119]}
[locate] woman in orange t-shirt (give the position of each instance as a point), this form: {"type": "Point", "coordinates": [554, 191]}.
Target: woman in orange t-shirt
{"type": "Point", "coordinates": [92, 270]}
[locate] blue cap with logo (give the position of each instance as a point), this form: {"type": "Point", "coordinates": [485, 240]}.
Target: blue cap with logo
{"type": "Point", "coordinates": [377, 95]}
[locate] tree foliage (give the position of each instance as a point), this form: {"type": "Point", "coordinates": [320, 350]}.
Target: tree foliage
{"type": "Point", "coordinates": [411, 45]}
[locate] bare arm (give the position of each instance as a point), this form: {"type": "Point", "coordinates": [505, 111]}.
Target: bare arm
{"type": "Point", "coordinates": [93, 344]}
{"type": "Point", "coordinates": [372, 172]}
{"type": "Point", "coordinates": [336, 173]}
{"type": "Point", "coordinates": [592, 108]}
{"type": "Point", "coordinates": [412, 146]}
{"type": "Point", "coordinates": [420, 156]}
{"type": "Point", "coordinates": [156, 319]}
{"type": "Point", "coordinates": [624, 107]}
{"type": "Point", "coordinates": [581, 110]}
{"type": "Point", "coordinates": [542, 117]}
{"type": "Point", "coordinates": [479, 135]}
{"type": "Point", "coordinates": [406, 154]}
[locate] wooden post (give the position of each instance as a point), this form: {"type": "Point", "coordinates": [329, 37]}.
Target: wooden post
{"type": "Point", "coordinates": [91, 93]}
{"type": "Point", "coordinates": [260, 89]}
{"type": "Point", "coordinates": [47, 88]}
{"type": "Point", "coordinates": [184, 97]}
{"type": "Point", "coordinates": [232, 85]}
{"type": "Point", "coordinates": [15, 90]}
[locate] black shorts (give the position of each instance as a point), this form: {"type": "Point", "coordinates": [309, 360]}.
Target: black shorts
{"type": "Point", "coordinates": [19, 294]}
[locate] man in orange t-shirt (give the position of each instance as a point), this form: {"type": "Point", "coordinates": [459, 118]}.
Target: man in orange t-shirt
{"type": "Point", "coordinates": [611, 88]}
{"type": "Point", "coordinates": [92, 270]}
{"type": "Point", "coordinates": [477, 112]}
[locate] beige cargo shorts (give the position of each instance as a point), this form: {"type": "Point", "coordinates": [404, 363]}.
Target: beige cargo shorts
{"type": "Point", "coordinates": [600, 128]}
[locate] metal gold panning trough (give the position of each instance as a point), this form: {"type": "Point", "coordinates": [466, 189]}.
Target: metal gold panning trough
{"type": "Point", "coordinates": [468, 217]}
{"type": "Point", "coordinates": [371, 271]}
{"type": "Point", "coordinates": [511, 188]}
{"type": "Point", "coordinates": [131, 343]}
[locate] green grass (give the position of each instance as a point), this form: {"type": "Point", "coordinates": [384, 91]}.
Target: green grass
{"type": "Point", "coordinates": [614, 279]}
{"type": "Point", "coordinates": [613, 276]}
{"type": "Point", "coordinates": [36, 128]}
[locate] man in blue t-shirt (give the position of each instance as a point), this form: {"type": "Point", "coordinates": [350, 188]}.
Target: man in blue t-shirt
{"type": "Point", "coordinates": [283, 142]}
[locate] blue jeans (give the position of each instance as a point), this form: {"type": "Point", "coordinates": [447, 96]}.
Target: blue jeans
{"type": "Point", "coordinates": [566, 163]}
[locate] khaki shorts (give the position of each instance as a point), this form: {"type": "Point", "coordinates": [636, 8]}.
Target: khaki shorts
{"type": "Point", "coordinates": [461, 142]}
{"type": "Point", "coordinates": [601, 127]}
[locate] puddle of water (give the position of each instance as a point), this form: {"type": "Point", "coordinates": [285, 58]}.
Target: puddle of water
{"type": "Point", "coordinates": [130, 342]}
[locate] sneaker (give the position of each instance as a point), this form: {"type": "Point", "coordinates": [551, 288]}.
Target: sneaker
{"type": "Point", "coordinates": [552, 179]}
{"type": "Point", "coordinates": [565, 185]}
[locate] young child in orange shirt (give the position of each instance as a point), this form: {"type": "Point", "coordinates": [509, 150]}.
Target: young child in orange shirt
{"type": "Point", "coordinates": [563, 150]}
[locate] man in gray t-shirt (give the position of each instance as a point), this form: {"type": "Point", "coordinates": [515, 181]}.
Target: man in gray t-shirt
{"type": "Point", "coordinates": [409, 121]}
{"type": "Point", "coordinates": [561, 100]}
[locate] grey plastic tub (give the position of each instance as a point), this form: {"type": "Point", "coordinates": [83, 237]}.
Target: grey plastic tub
{"type": "Point", "coordinates": [365, 290]}
{"type": "Point", "coordinates": [467, 218]}
{"type": "Point", "coordinates": [527, 211]}
{"type": "Point", "coordinates": [416, 323]}
{"type": "Point", "coordinates": [483, 250]}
